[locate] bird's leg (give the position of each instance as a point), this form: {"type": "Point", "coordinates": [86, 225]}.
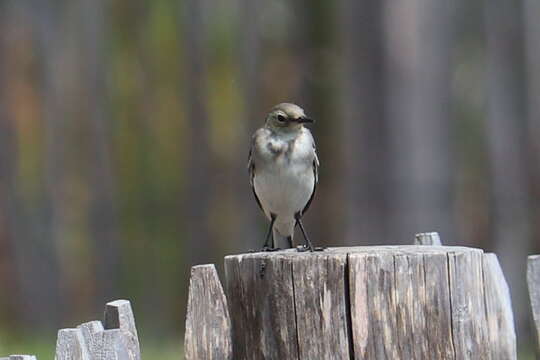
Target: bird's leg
{"type": "Point", "coordinates": [289, 241]}
{"type": "Point", "coordinates": [269, 234]}
{"type": "Point", "coordinates": [308, 245]}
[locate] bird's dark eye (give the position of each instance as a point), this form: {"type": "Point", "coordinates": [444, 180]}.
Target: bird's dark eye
{"type": "Point", "coordinates": [281, 118]}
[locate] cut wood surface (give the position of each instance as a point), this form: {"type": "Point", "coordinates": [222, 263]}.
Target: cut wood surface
{"type": "Point", "coordinates": [208, 326]}
{"type": "Point", "coordinates": [533, 280]}
{"type": "Point", "coordinates": [380, 302]}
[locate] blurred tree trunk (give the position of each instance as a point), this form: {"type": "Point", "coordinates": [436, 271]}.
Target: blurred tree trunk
{"type": "Point", "coordinates": [36, 251]}
{"type": "Point", "coordinates": [312, 46]}
{"type": "Point", "coordinates": [249, 58]}
{"type": "Point", "coordinates": [417, 50]}
{"type": "Point", "coordinates": [8, 173]}
{"type": "Point", "coordinates": [507, 148]}
{"type": "Point", "coordinates": [103, 219]}
{"type": "Point", "coordinates": [199, 172]}
{"type": "Point", "coordinates": [364, 135]}
{"type": "Point", "coordinates": [531, 10]}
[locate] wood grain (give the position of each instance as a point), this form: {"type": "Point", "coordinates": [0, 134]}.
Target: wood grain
{"type": "Point", "coordinates": [92, 335]}
{"type": "Point", "coordinates": [469, 325]}
{"type": "Point", "coordinates": [502, 336]}
{"type": "Point", "coordinates": [208, 325]}
{"type": "Point", "coordinates": [260, 291]}
{"type": "Point", "coordinates": [372, 303]}
{"type": "Point", "coordinates": [321, 305]}
{"type": "Point", "coordinates": [92, 341]}
{"type": "Point", "coordinates": [70, 345]}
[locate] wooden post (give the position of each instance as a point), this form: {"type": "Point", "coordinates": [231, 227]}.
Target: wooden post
{"type": "Point", "coordinates": [428, 238]}
{"type": "Point", "coordinates": [70, 345]}
{"type": "Point", "coordinates": [91, 341]}
{"type": "Point", "coordinates": [499, 309]}
{"type": "Point", "coordinates": [533, 280]}
{"type": "Point", "coordinates": [91, 332]}
{"type": "Point", "coordinates": [208, 327]}
{"type": "Point", "coordinates": [380, 302]}
{"type": "Point", "coordinates": [118, 315]}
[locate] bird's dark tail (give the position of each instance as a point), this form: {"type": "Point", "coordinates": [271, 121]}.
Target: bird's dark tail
{"type": "Point", "coordinates": [281, 241]}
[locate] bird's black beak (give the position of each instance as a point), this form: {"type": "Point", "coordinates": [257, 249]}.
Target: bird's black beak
{"type": "Point", "coordinates": [304, 120]}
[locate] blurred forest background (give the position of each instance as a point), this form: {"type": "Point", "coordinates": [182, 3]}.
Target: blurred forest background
{"type": "Point", "coordinates": [125, 127]}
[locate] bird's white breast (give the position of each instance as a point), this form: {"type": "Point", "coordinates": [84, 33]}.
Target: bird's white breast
{"type": "Point", "coordinates": [284, 178]}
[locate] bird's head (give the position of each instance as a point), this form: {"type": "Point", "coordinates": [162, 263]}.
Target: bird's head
{"type": "Point", "coordinates": [286, 117]}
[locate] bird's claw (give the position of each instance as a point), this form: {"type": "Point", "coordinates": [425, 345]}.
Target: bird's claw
{"type": "Point", "coordinates": [304, 248]}
{"type": "Point", "coordinates": [269, 249]}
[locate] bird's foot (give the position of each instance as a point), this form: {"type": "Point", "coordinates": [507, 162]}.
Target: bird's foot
{"type": "Point", "coordinates": [304, 248]}
{"type": "Point", "coordinates": [269, 249]}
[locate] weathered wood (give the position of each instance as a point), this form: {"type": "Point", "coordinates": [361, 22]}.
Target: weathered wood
{"type": "Point", "coordinates": [533, 281]}
{"type": "Point", "coordinates": [469, 325]}
{"type": "Point", "coordinates": [119, 315]}
{"type": "Point", "coordinates": [70, 345]}
{"type": "Point", "coordinates": [90, 341]}
{"type": "Point", "coordinates": [410, 296]}
{"type": "Point", "coordinates": [115, 346]}
{"type": "Point", "coordinates": [502, 335]}
{"type": "Point", "coordinates": [373, 308]}
{"type": "Point", "coordinates": [385, 302]}
{"type": "Point", "coordinates": [437, 305]}
{"type": "Point", "coordinates": [92, 335]}
{"type": "Point", "coordinates": [21, 357]}
{"type": "Point", "coordinates": [260, 292]}
{"type": "Point", "coordinates": [208, 325]}
{"type": "Point", "coordinates": [428, 238]}
{"type": "Point", "coordinates": [321, 306]}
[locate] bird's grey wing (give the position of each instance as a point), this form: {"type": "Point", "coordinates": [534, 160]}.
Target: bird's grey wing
{"type": "Point", "coordinates": [315, 180]}
{"type": "Point", "coordinates": [251, 171]}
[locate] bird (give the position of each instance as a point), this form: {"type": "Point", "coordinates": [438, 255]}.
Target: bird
{"type": "Point", "coordinates": [284, 171]}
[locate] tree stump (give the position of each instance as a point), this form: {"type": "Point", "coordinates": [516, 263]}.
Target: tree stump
{"type": "Point", "coordinates": [381, 302]}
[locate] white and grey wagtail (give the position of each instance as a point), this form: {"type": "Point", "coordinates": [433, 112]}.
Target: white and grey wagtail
{"type": "Point", "coordinates": [283, 169]}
